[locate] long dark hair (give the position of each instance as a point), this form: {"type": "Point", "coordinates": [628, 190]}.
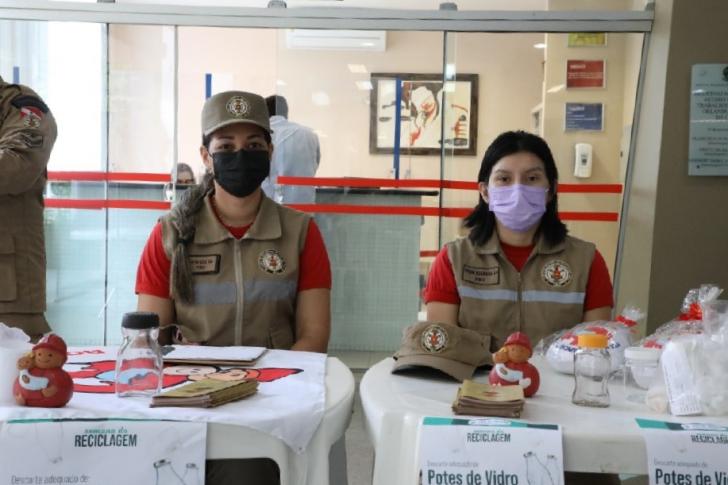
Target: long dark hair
{"type": "Point", "coordinates": [481, 221]}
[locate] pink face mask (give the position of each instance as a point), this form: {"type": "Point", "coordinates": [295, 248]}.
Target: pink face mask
{"type": "Point", "coordinates": [518, 207]}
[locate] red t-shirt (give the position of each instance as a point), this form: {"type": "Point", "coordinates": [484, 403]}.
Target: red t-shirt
{"type": "Point", "coordinates": [154, 265]}
{"type": "Point", "coordinates": [441, 286]}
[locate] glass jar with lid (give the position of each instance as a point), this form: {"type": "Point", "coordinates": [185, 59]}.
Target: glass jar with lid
{"type": "Point", "coordinates": [640, 369]}
{"type": "Point", "coordinates": [592, 367]}
{"type": "Point", "coordinates": [139, 361]}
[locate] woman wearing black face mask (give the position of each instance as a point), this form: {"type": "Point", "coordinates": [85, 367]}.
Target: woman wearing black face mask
{"type": "Point", "coordinates": [228, 266]}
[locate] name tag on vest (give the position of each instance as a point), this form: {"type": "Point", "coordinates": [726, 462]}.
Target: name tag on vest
{"type": "Point", "coordinates": [481, 276]}
{"type": "Point", "coordinates": [208, 264]}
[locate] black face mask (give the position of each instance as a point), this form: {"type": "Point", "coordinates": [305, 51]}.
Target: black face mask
{"type": "Point", "coordinates": [241, 172]}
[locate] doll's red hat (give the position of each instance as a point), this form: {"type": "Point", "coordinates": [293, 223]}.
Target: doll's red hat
{"type": "Point", "coordinates": [52, 342]}
{"type": "Point", "coordinates": [519, 338]}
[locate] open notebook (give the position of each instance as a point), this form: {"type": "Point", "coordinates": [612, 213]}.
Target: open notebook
{"type": "Point", "coordinates": [207, 355]}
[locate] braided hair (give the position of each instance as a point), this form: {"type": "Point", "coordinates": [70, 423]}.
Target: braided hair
{"type": "Point", "coordinates": [183, 220]}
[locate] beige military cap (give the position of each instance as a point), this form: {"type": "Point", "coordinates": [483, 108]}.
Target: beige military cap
{"type": "Point", "coordinates": [232, 107]}
{"type": "Point", "coordinates": [456, 351]}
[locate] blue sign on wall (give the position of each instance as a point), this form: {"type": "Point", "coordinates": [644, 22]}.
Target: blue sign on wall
{"type": "Point", "coordinates": [584, 117]}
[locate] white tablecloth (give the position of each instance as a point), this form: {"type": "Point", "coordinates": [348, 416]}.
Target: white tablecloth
{"type": "Point", "coordinates": [595, 439]}
{"type": "Point", "coordinates": [228, 438]}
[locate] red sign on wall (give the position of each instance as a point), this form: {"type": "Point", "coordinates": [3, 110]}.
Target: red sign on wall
{"type": "Point", "coordinates": [585, 74]}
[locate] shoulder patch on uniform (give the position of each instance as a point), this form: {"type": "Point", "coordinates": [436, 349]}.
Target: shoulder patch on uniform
{"type": "Point", "coordinates": [556, 273]}
{"type": "Point", "coordinates": [25, 100]}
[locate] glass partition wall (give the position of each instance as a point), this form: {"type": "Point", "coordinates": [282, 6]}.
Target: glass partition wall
{"type": "Point", "coordinates": [403, 118]}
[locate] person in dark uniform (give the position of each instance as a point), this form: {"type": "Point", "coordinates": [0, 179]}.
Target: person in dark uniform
{"type": "Point", "coordinates": [27, 134]}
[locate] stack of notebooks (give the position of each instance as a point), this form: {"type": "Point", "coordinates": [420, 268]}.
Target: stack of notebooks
{"type": "Point", "coordinates": [206, 393]}
{"type": "Point", "coordinates": [208, 355]}
{"type": "Point", "coordinates": [485, 400]}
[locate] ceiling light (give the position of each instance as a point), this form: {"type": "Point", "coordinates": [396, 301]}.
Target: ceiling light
{"type": "Point", "coordinates": [357, 68]}
{"type": "Point", "coordinates": [320, 98]}
{"type": "Point", "coordinates": [540, 45]}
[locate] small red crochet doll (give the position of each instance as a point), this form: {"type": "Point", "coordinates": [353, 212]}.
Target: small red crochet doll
{"type": "Point", "coordinates": [42, 381]}
{"type": "Point", "coordinates": [512, 367]}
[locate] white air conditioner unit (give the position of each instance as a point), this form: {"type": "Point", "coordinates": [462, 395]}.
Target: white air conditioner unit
{"type": "Point", "coordinates": [350, 40]}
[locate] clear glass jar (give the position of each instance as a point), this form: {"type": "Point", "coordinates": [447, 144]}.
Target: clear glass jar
{"type": "Point", "coordinates": [640, 369]}
{"type": "Point", "coordinates": [139, 361]}
{"type": "Point", "coordinates": [592, 367]}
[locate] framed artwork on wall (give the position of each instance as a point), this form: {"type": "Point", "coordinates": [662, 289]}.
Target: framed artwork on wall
{"type": "Point", "coordinates": [425, 104]}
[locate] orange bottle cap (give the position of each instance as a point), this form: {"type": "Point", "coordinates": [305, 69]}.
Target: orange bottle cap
{"type": "Point", "coordinates": [593, 340]}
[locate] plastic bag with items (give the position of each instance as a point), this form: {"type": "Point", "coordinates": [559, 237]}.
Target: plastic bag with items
{"type": "Point", "coordinates": [14, 343]}
{"type": "Point", "coordinates": [559, 348]}
{"type": "Point", "coordinates": [688, 322]}
{"type": "Point", "coordinates": [695, 368]}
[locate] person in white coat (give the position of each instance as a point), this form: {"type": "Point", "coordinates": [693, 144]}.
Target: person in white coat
{"type": "Point", "coordinates": [296, 153]}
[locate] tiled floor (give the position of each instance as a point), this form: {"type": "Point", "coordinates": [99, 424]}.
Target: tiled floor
{"type": "Point", "coordinates": [359, 451]}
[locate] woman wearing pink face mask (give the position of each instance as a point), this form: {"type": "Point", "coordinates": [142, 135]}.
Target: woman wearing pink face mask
{"type": "Point", "coordinates": [517, 270]}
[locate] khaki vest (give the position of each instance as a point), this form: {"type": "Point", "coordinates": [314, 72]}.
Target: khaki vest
{"type": "Point", "coordinates": [26, 141]}
{"type": "Point", "coordinates": [244, 290]}
{"type": "Point", "coordinates": [546, 296]}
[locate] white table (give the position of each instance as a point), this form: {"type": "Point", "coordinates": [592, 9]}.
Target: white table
{"type": "Point", "coordinates": [595, 439]}
{"type": "Point", "coordinates": [310, 467]}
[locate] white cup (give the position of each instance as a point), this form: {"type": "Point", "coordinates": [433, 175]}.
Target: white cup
{"type": "Point", "coordinates": [10, 352]}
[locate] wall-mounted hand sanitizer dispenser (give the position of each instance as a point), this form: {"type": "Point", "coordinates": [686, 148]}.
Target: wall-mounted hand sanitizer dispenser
{"type": "Point", "coordinates": [583, 160]}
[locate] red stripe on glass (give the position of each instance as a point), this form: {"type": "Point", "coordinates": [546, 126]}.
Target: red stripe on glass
{"type": "Point", "coordinates": [110, 176]}
{"type": "Point", "coordinates": [433, 184]}
{"type": "Point", "coordinates": [99, 204]}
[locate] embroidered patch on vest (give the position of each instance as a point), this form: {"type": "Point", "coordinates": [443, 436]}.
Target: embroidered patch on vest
{"type": "Point", "coordinates": [481, 276]}
{"type": "Point", "coordinates": [205, 264]}
{"type": "Point", "coordinates": [237, 106]}
{"type": "Point", "coordinates": [31, 116]}
{"type": "Point", "coordinates": [556, 273]}
{"type": "Point", "coordinates": [271, 262]}
{"type": "Point", "coordinates": [434, 339]}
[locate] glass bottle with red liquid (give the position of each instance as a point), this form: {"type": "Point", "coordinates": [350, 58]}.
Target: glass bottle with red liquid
{"type": "Point", "coordinates": [139, 361]}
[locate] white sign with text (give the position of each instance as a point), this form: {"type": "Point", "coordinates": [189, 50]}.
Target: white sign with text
{"type": "Point", "coordinates": [102, 452]}
{"type": "Point", "coordinates": [708, 147]}
{"type": "Point", "coordinates": [489, 451]}
{"type": "Point", "coordinates": [685, 453]}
